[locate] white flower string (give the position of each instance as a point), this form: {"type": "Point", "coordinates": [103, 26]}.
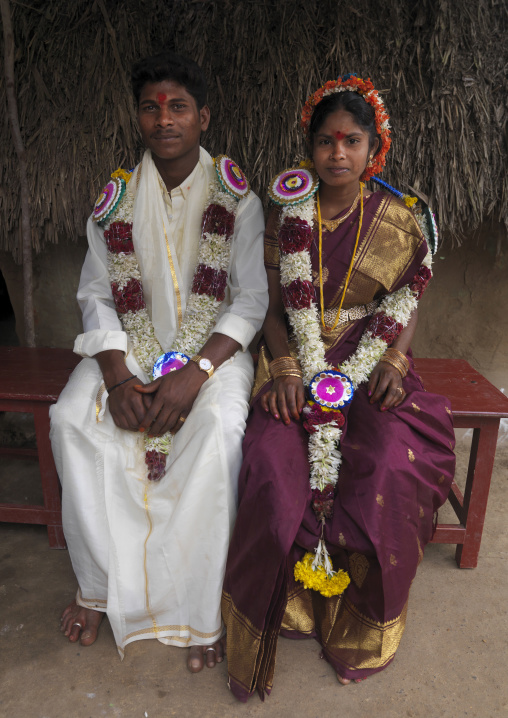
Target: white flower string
{"type": "Point", "coordinates": [208, 287]}
{"type": "Point", "coordinates": [391, 316]}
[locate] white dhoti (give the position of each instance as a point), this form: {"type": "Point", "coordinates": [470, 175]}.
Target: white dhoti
{"type": "Point", "coordinates": [152, 554]}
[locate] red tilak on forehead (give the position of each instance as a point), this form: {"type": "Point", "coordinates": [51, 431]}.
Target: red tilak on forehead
{"type": "Point", "coordinates": [161, 98]}
{"type": "Point", "coordinates": [339, 135]}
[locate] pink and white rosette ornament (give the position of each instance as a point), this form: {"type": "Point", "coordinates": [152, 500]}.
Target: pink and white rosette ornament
{"type": "Point", "coordinates": [207, 292]}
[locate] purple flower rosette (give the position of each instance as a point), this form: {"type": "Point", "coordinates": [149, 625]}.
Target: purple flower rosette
{"type": "Point", "coordinates": [170, 361]}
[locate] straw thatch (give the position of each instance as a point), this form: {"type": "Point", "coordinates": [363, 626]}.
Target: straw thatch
{"type": "Point", "coordinates": [441, 64]}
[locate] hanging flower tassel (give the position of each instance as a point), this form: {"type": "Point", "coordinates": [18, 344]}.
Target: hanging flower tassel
{"type": "Point", "coordinates": [316, 572]}
{"type": "Point", "coordinates": [322, 557]}
{"type": "Point", "coordinates": [318, 580]}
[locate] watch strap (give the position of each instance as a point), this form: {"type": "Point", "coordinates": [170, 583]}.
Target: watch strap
{"type": "Point", "coordinates": [197, 358]}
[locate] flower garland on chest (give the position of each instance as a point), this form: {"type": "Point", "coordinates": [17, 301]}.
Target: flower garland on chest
{"type": "Point", "coordinates": [296, 191]}
{"type": "Point", "coordinates": [114, 211]}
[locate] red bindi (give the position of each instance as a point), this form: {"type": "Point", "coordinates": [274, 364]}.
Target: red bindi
{"type": "Point", "coordinates": [339, 135]}
{"type": "Point", "coordinates": [161, 98]}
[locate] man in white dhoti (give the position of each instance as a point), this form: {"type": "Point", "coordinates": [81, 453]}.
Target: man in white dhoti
{"type": "Point", "coordinates": [149, 468]}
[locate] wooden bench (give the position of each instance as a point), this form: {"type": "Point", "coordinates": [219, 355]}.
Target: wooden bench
{"type": "Point", "coordinates": [32, 379]}
{"type": "Point", "coordinates": [478, 405]}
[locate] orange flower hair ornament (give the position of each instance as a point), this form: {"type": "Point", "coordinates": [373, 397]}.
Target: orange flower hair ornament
{"type": "Point", "coordinates": [366, 89]}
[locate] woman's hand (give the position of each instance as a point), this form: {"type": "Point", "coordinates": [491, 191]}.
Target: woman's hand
{"type": "Point", "coordinates": [385, 386]}
{"type": "Point", "coordinates": [286, 399]}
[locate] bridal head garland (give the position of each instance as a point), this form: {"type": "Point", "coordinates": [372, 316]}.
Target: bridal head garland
{"type": "Point", "coordinates": [296, 191]}
{"type": "Point", "coordinates": [364, 88]}
{"type": "Point", "coordinates": [114, 210]}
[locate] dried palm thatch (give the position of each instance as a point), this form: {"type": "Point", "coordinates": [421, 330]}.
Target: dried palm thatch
{"type": "Point", "coordinates": [442, 67]}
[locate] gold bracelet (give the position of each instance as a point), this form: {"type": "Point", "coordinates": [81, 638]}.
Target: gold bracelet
{"type": "Point", "coordinates": [279, 376]}
{"type": "Point", "coordinates": [399, 368]}
{"type": "Point", "coordinates": [281, 365]}
{"type": "Point", "coordinates": [397, 359]}
{"type": "Point", "coordinates": [396, 354]}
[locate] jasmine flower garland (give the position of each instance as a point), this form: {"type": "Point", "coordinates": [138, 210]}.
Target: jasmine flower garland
{"type": "Point", "coordinates": [391, 316]}
{"type": "Point", "coordinates": [208, 291]}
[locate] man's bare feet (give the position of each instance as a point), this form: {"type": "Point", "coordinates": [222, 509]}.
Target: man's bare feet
{"type": "Point", "coordinates": [78, 623]}
{"type": "Point", "coordinates": [209, 655]}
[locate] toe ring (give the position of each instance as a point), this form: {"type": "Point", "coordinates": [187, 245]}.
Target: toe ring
{"type": "Point", "coordinates": [77, 623]}
{"type": "Point", "coordinates": [211, 648]}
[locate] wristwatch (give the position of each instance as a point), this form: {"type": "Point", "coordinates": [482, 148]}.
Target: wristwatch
{"type": "Point", "coordinates": [204, 364]}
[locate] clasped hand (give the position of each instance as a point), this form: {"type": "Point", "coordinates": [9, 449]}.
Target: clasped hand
{"type": "Point", "coordinates": [158, 406]}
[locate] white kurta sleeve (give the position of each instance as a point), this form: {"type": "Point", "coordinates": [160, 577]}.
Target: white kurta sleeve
{"type": "Point", "coordinates": [101, 325]}
{"type": "Point", "coordinates": [248, 286]}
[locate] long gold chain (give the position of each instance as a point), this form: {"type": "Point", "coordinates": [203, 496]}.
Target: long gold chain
{"type": "Point", "coordinates": [321, 294]}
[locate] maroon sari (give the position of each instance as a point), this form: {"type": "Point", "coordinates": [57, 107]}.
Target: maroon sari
{"type": "Point", "coordinates": [397, 467]}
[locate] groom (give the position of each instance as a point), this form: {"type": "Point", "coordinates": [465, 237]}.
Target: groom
{"type": "Point", "coordinates": [175, 260]}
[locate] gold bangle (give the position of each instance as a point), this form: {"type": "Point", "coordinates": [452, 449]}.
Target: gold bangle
{"type": "Point", "coordinates": [401, 370]}
{"type": "Point", "coordinates": [396, 354]}
{"type": "Point", "coordinates": [279, 376]}
{"type": "Point", "coordinates": [282, 365]}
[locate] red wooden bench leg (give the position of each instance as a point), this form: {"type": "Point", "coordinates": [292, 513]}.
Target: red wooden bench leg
{"type": "Point", "coordinates": [49, 476]}
{"type": "Point", "coordinates": [476, 494]}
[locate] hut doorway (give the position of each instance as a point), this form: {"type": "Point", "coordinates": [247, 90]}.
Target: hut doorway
{"type": "Point", "coordinates": [8, 336]}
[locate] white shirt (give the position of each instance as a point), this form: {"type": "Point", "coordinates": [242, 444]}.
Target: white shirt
{"type": "Point", "coordinates": [244, 307]}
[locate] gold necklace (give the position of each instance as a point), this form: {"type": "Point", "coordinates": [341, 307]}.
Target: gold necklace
{"type": "Point", "coordinates": [331, 225]}
{"type": "Point", "coordinates": [321, 296]}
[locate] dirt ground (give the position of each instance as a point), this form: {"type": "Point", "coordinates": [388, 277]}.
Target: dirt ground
{"type": "Point", "coordinates": [451, 662]}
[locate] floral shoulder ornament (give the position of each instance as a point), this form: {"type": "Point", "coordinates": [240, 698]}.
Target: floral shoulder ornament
{"type": "Point", "coordinates": [331, 388]}
{"type": "Point", "coordinates": [114, 211]}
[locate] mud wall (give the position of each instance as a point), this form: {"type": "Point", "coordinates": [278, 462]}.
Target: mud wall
{"type": "Point", "coordinates": [463, 314]}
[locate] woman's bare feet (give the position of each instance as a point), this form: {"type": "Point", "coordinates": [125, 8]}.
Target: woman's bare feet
{"type": "Point", "coordinates": [209, 655]}
{"type": "Point", "coordinates": [343, 681]}
{"type": "Point", "coordinates": [347, 681]}
{"type": "Point", "coordinates": [78, 623]}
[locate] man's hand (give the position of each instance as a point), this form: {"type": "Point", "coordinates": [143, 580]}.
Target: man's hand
{"type": "Point", "coordinates": [172, 396]}
{"type": "Point", "coordinates": [127, 406]}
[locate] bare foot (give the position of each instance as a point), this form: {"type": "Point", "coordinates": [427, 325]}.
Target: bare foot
{"type": "Point", "coordinates": [347, 681]}
{"type": "Point", "coordinates": [344, 681]}
{"type": "Point", "coordinates": [78, 623]}
{"type": "Point", "coordinates": [209, 655]}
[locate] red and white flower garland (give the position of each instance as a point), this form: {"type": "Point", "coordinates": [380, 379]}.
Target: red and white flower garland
{"type": "Point", "coordinates": [392, 315]}
{"type": "Point", "coordinates": [208, 291]}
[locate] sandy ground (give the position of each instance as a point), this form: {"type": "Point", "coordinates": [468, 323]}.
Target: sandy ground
{"type": "Point", "coordinates": [451, 661]}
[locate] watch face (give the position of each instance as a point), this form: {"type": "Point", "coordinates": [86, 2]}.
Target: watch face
{"type": "Point", "coordinates": [205, 364]}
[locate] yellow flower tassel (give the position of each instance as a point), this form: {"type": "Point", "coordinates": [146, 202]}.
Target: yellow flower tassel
{"type": "Point", "coordinates": [317, 578]}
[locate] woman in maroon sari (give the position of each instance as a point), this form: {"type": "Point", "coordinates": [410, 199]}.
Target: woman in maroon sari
{"type": "Point", "coordinates": [346, 268]}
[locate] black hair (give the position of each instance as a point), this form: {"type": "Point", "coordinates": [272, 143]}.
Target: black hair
{"type": "Point", "coordinates": [170, 66]}
{"type": "Point", "coordinates": [363, 113]}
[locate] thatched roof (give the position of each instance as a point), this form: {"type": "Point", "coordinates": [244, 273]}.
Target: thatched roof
{"type": "Point", "coordinates": [442, 66]}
